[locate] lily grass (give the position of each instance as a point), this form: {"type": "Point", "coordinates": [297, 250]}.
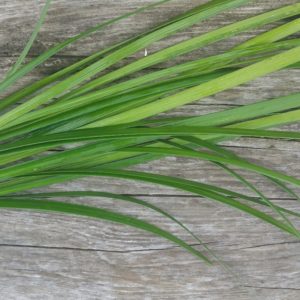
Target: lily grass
{"type": "Point", "coordinates": [105, 122]}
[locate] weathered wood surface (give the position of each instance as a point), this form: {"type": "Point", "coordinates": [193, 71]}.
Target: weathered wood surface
{"type": "Point", "coordinates": [52, 256]}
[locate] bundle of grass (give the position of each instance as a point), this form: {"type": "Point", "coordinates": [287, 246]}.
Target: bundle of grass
{"type": "Point", "coordinates": [109, 123]}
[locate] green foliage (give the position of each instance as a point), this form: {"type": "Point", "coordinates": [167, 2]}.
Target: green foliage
{"type": "Point", "coordinates": [105, 122]}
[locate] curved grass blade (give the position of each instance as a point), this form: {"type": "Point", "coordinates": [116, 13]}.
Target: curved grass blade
{"type": "Point", "coordinates": [25, 183]}
{"type": "Point", "coordinates": [218, 150]}
{"type": "Point", "coordinates": [75, 156]}
{"type": "Point", "coordinates": [113, 196]}
{"type": "Point", "coordinates": [16, 185]}
{"type": "Point", "coordinates": [212, 157]}
{"type": "Point", "coordinates": [128, 199]}
{"type": "Point", "coordinates": [123, 198]}
{"type": "Point", "coordinates": [183, 184]}
{"type": "Point", "coordinates": [117, 156]}
{"type": "Point", "coordinates": [98, 213]}
{"type": "Point", "coordinates": [19, 184]}
{"type": "Point", "coordinates": [120, 160]}
{"type": "Point", "coordinates": [94, 134]}
{"type": "Point", "coordinates": [32, 38]}
{"type": "Point", "coordinates": [71, 158]}
{"type": "Point", "coordinates": [63, 160]}
{"type": "Point", "coordinates": [262, 196]}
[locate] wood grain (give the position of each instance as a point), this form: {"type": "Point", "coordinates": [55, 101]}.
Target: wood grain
{"type": "Point", "coordinates": [53, 256]}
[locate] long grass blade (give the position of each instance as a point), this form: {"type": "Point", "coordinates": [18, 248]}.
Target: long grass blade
{"type": "Point", "coordinates": [218, 150]}
{"type": "Point", "coordinates": [31, 40]}
{"type": "Point", "coordinates": [98, 213]}
{"type": "Point", "coordinates": [211, 157]}
{"type": "Point", "coordinates": [94, 134]}
{"type": "Point", "coordinates": [126, 198]}
{"type": "Point", "coordinates": [183, 184]}
{"type": "Point", "coordinates": [118, 197]}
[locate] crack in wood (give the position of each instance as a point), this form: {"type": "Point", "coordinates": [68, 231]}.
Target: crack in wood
{"type": "Point", "coordinates": [271, 288]}
{"type": "Point", "coordinates": [266, 245]}
{"type": "Point", "coordinates": [100, 250]}
{"type": "Point", "coordinates": [193, 196]}
{"type": "Point", "coordinates": [140, 250]}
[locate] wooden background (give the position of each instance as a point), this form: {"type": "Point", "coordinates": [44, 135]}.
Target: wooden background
{"type": "Point", "coordinates": [53, 256]}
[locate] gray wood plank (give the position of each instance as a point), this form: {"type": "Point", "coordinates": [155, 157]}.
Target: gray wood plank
{"type": "Point", "coordinates": [92, 260]}
{"type": "Point", "coordinates": [62, 257]}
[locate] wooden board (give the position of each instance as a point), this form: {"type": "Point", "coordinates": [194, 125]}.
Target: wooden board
{"type": "Point", "coordinates": [53, 256]}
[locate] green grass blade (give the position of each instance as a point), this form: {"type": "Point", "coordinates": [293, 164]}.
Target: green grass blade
{"type": "Point", "coordinates": [262, 196]}
{"type": "Point", "coordinates": [26, 183]}
{"type": "Point", "coordinates": [95, 134]}
{"type": "Point", "coordinates": [273, 35]}
{"type": "Point", "coordinates": [182, 184]}
{"type": "Point", "coordinates": [128, 199]}
{"type": "Point", "coordinates": [274, 120]}
{"type": "Point", "coordinates": [112, 138]}
{"type": "Point", "coordinates": [113, 196]}
{"type": "Point", "coordinates": [33, 181]}
{"type": "Point", "coordinates": [98, 213]}
{"type": "Point", "coordinates": [83, 115]}
{"type": "Point", "coordinates": [243, 113]}
{"type": "Point", "coordinates": [219, 150]}
{"type": "Point", "coordinates": [32, 38]}
{"type": "Point", "coordinates": [211, 157]}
